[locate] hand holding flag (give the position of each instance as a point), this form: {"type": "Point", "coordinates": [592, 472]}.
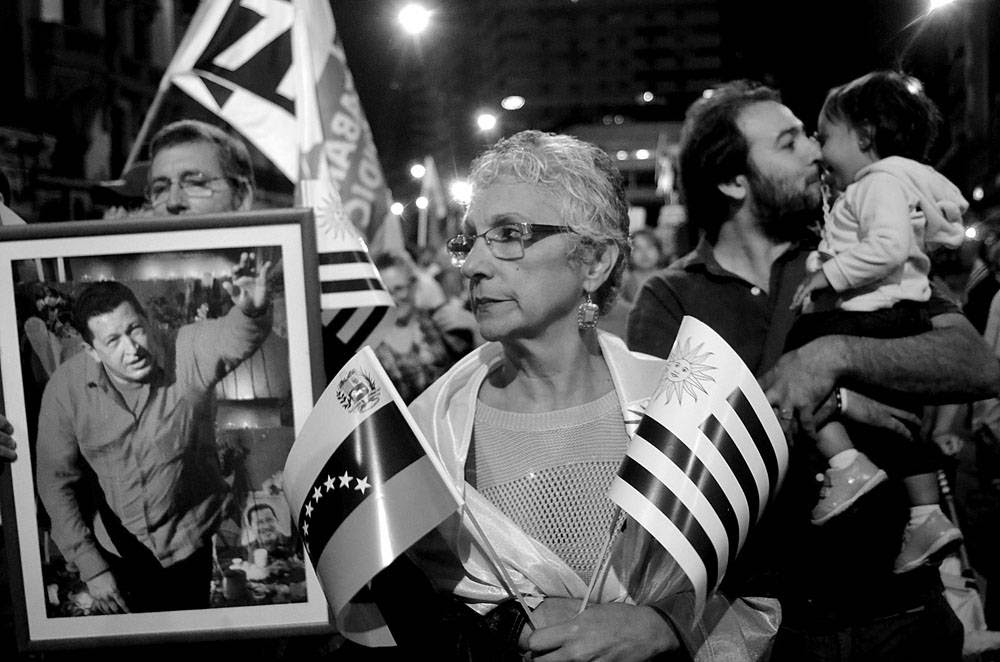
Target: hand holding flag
{"type": "Point", "coordinates": [363, 487]}
{"type": "Point", "coordinates": [707, 457]}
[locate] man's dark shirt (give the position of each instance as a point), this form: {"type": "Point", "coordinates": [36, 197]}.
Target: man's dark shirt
{"type": "Point", "coordinates": [832, 575]}
{"type": "Point", "coordinates": [978, 300]}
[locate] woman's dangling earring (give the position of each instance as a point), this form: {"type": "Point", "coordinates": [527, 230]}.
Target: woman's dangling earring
{"type": "Point", "coordinates": [587, 314]}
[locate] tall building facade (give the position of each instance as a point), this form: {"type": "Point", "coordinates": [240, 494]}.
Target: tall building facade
{"type": "Point", "coordinates": [618, 72]}
{"type": "Point", "coordinates": [78, 77]}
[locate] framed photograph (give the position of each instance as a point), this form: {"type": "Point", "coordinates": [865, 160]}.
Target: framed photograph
{"type": "Point", "coordinates": [147, 503]}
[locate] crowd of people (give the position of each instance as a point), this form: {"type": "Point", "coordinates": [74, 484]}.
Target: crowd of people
{"type": "Point", "coordinates": [813, 263]}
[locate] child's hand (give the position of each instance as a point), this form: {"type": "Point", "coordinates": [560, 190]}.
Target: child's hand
{"type": "Point", "coordinates": [816, 281]}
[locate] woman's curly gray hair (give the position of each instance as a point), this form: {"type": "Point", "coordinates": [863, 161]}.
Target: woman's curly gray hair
{"type": "Point", "coordinates": [584, 181]}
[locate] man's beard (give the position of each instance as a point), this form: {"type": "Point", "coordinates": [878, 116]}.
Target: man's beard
{"type": "Point", "coordinates": [785, 214]}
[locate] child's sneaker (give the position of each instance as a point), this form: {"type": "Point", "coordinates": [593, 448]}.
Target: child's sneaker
{"type": "Point", "coordinates": [922, 541]}
{"type": "Point", "coordinates": [842, 487]}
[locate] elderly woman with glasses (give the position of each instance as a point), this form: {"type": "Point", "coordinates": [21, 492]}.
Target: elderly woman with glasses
{"type": "Point", "coordinates": [533, 426]}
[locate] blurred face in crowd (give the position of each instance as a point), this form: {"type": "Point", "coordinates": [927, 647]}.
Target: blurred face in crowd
{"type": "Point", "coordinates": [187, 178]}
{"type": "Point", "coordinates": [784, 167]}
{"type": "Point", "coordinates": [400, 283]}
{"type": "Point", "coordinates": [645, 253]}
{"type": "Point", "coordinates": [121, 343]}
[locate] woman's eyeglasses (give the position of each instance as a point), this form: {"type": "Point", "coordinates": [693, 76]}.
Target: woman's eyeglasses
{"type": "Point", "coordinates": [506, 242]}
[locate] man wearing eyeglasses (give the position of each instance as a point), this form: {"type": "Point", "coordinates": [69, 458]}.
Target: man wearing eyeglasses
{"type": "Point", "coordinates": [198, 168]}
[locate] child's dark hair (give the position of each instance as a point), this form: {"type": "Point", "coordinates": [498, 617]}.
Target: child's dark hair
{"type": "Point", "coordinates": [890, 110]}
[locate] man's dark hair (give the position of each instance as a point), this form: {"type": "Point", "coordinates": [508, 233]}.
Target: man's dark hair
{"type": "Point", "coordinates": [100, 298]}
{"type": "Point", "coordinates": [713, 150]}
{"type": "Point", "coordinates": [234, 158]}
{"type": "Point", "coordinates": [389, 260]}
{"type": "Point", "coordinates": [256, 508]}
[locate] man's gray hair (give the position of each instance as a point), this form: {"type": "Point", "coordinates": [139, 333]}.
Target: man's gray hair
{"type": "Point", "coordinates": [234, 157]}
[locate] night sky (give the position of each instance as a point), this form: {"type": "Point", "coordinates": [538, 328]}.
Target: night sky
{"type": "Point", "coordinates": [802, 48]}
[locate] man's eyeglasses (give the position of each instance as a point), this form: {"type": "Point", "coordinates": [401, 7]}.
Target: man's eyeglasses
{"type": "Point", "coordinates": [506, 242]}
{"type": "Point", "coordinates": [194, 185]}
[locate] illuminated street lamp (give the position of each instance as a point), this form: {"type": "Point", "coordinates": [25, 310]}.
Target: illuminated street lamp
{"type": "Point", "coordinates": [460, 191]}
{"type": "Point", "coordinates": [937, 4]}
{"type": "Point", "coordinates": [417, 171]}
{"type": "Point", "coordinates": [513, 102]}
{"type": "Point", "coordinates": [396, 208]}
{"type": "Point", "coordinates": [486, 122]}
{"type": "Point", "coordinates": [414, 18]}
{"type": "Point", "coordinates": [422, 202]}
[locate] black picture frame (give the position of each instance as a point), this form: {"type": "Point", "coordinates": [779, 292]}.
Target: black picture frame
{"type": "Point", "coordinates": [171, 264]}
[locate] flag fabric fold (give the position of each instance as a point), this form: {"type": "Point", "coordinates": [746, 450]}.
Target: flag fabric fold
{"type": "Point", "coordinates": [363, 486]}
{"type": "Point", "coordinates": [340, 178]}
{"type": "Point", "coordinates": [433, 214]}
{"type": "Point", "coordinates": [707, 457]}
{"type": "Point", "coordinates": [276, 73]}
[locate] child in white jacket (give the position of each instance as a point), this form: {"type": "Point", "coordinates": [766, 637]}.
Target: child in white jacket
{"type": "Point", "coordinates": [869, 276]}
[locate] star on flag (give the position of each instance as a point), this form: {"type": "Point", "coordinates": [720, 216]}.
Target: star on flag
{"type": "Point", "coordinates": [390, 493]}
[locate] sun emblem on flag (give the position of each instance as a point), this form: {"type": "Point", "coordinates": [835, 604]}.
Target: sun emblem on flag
{"type": "Point", "coordinates": [330, 218]}
{"type": "Point", "coordinates": [357, 392]}
{"type": "Point", "coordinates": [686, 371]}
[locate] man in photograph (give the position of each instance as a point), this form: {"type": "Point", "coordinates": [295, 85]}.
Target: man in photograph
{"type": "Point", "coordinates": [135, 411]}
{"type": "Point", "coordinates": [264, 531]}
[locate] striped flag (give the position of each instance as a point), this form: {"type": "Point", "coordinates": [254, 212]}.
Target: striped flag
{"type": "Point", "coordinates": [363, 486]}
{"type": "Point", "coordinates": [275, 72]}
{"type": "Point", "coordinates": [707, 457]}
{"type": "Point", "coordinates": [339, 176]}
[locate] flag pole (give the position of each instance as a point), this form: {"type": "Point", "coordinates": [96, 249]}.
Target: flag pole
{"type": "Point", "coordinates": [205, 10]}
{"type": "Point", "coordinates": [602, 569]}
{"type": "Point", "coordinates": [499, 567]}
{"type": "Point", "coordinates": [147, 122]}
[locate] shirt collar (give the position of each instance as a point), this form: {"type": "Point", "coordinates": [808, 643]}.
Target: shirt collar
{"type": "Point", "coordinates": [97, 376]}
{"type": "Point", "coordinates": [703, 257]}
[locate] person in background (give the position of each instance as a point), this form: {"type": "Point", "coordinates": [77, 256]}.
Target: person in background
{"type": "Point", "coordinates": [417, 346]}
{"type": "Point", "coordinates": [984, 281]}
{"type": "Point", "coordinates": [646, 257]}
{"type": "Point", "coordinates": [750, 175]}
{"type": "Point", "coordinates": [428, 293]}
